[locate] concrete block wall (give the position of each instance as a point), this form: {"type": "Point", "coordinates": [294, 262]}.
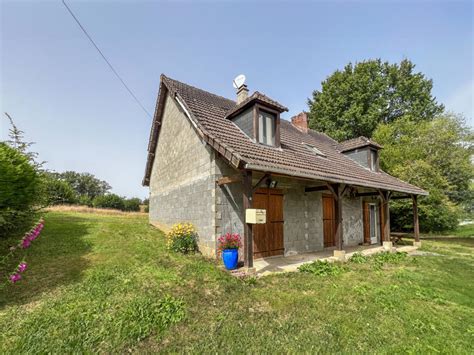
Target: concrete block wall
{"type": "Point", "coordinates": [352, 221]}
{"type": "Point", "coordinates": [182, 184]}
{"type": "Point", "coordinates": [303, 228]}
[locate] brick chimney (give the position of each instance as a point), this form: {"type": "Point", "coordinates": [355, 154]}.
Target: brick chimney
{"type": "Point", "coordinates": [300, 121]}
{"type": "Point", "coordinates": [242, 93]}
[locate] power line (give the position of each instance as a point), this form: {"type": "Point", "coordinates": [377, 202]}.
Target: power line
{"type": "Point", "coordinates": [106, 60]}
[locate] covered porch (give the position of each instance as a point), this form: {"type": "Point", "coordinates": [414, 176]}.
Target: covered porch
{"type": "Point", "coordinates": [339, 251]}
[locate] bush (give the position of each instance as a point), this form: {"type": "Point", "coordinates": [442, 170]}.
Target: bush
{"type": "Point", "coordinates": [132, 204]}
{"type": "Point", "coordinates": [182, 238]}
{"type": "Point", "coordinates": [322, 268]}
{"type": "Point", "coordinates": [85, 200]}
{"type": "Point", "coordinates": [57, 192]}
{"type": "Point", "coordinates": [19, 187]}
{"type": "Point", "coordinates": [109, 201]}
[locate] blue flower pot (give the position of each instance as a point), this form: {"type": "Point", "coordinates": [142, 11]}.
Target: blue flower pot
{"type": "Point", "coordinates": [230, 257]}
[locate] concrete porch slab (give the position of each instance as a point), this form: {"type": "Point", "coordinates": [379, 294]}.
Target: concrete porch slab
{"type": "Point", "coordinates": [267, 266]}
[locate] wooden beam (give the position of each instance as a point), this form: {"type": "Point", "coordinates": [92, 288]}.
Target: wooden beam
{"type": "Point", "coordinates": [416, 226]}
{"type": "Point", "coordinates": [257, 185]}
{"type": "Point", "coordinates": [315, 188]}
{"type": "Point", "coordinates": [229, 180]}
{"type": "Point", "coordinates": [333, 190]}
{"type": "Point", "coordinates": [385, 197]}
{"type": "Point", "coordinates": [338, 205]}
{"type": "Point", "coordinates": [248, 233]}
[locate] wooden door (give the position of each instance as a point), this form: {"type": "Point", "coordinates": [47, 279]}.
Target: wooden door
{"type": "Point", "coordinates": [268, 237]}
{"type": "Point", "coordinates": [367, 223]}
{"type": "Point", "coordinates": [329, 221]}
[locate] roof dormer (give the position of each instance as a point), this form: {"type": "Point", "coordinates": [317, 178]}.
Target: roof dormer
{"type": "Point", "coordinates": [362, 150]}
{"type": "Point", "coordinates": [257, 116]}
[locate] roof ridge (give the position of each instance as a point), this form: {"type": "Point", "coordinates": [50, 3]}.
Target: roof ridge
{"type": "Point", "coordinates": [196, 88]}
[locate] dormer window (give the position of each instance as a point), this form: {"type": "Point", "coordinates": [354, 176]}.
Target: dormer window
{"type": "Point", "coordinates": [258, 117]}
{"type": "Point", "coordinates": [266, 127]}
{"type": "Point", "coordinates": [373, 163]}
{"type": "Point", "coordinates": [362, 150]}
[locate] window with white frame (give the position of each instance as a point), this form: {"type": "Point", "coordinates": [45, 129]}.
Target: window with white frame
{"type": "Point", "coordinates": [373, 160]}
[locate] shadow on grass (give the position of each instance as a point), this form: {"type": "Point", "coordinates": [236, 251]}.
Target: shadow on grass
{"type": "Point", "coordinates": [55, 259]}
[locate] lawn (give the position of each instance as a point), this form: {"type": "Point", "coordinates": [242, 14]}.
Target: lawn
{"type": "Point", "coordinates": [105, 283]}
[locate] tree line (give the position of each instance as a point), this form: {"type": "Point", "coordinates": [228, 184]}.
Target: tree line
{"type": "Point", "coordinates": [26, 187]}
{"type": "Point", "coordinates": [423, 143]}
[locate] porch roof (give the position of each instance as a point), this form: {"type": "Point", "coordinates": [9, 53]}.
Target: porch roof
{"type": "Point", "coordinates": [207, 113]}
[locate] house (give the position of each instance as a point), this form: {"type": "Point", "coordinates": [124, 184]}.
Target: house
{"type": "Point", "coordinates": [211, 158]}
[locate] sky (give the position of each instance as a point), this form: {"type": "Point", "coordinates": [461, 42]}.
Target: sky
{"type": "Point", "coordinates": [63, 95]}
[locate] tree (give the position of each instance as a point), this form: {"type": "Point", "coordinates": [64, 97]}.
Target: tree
{"type": "Point", "coordinates": [352, 102]}
{"type": "Point", "coordinates": [85, 184]}
{"type": "Point", "coordinates": [109, 201]}
{"type": "Point", "coordinates": [19, 186]}
{"type": "Point", "coordinates": [57, 191]}
{"type": "Point", "coordinates": [17, 142]}
{"type": "Point", "coordinates": [435, 155]}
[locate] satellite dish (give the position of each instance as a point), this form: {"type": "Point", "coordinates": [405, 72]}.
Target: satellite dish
{"type": "Point", "coordinates": [238, 81]}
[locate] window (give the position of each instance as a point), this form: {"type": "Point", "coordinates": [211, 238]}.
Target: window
{"type": "Point", "coordinates": [314, 150]}
{"type": "Point", "coordinates": [266, 127]}
{"type": "Point", "coordinates": [373, 160]}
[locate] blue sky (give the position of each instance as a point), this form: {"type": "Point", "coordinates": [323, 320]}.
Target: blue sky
{"type": "Point", "coordinates": [61, 92]}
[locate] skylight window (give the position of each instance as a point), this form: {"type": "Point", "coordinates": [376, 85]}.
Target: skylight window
{"type": "Point", "coordinates": [314, 150]}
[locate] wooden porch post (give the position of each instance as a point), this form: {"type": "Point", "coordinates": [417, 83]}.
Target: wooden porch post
{"type": "Point", "coordinates": [248, 235]}
{"type": "Point", "coordinates": [337, 191]}
{"type": "Point", "coordinates": [386, 215]}
{"type": "Point", "coordinates": [416, 226]}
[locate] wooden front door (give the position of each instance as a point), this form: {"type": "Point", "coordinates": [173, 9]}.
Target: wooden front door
{"type": "Point", "coordinates": [268, 237]}
{"type": "Point", "coordinates": [329, 221]}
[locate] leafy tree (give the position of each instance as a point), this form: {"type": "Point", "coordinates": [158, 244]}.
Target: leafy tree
{"type": "Point", "coordinates": [85, 184]}
{"type": "Point", "coordinates": [435, 155]}
{"type": "Point", "coordinates": [132, 204]}
{"type": "Point", "coordinates": [57, 191]}
{"type": "Point", "coordinates": [109, 201]}
{"type": "Point", "coordinates": [19, 186]}
{"type": "Point", "coordinates": [353, 101]}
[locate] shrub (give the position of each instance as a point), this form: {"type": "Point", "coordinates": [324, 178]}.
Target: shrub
{"type": "Point", "coordinates": [57, 191]}
{"type": "Point", "coordinates": [358, 258]}
{"type": "Point", "coordinates": [19, 186]}
{"type": "Point", "coordinates": [322, 268]}
{"type": "Point", "coordinates": [132, 204]}
{"type": "Point", "coordinates": [182, 238]}
{"type": "Point", "coordinates": [109, 201]}
{"type": "Point", "coordinates": [85, 200]}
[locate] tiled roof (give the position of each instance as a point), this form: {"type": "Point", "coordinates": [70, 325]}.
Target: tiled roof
{"type": "Point", "coordinates": [256, 97]}
{"type": "Point", "coordinates": [208, 112]}
{"type": "Point", "coordinates": [358, 142]}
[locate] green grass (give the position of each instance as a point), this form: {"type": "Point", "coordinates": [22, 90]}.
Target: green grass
{"type": "Point", "coordinates": [465, 231]}
{"type": "Point", "coordinates": [99, 283]}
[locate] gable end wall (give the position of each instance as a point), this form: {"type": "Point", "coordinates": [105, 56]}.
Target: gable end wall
{"type": "Point", "coordinates": [182, 183]}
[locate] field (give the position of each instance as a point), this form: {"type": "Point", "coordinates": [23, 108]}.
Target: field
{"type": "Point", "coordinates": [105, 283]}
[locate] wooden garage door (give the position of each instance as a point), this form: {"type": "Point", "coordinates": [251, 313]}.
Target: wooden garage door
{"type": "Point", "coordinates": [268, 237]}
{"type": "Point", "coordinates": [329, 221]}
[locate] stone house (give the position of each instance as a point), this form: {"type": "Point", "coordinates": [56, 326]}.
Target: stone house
{"type": "Point", "coordinates": [211, 158]}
